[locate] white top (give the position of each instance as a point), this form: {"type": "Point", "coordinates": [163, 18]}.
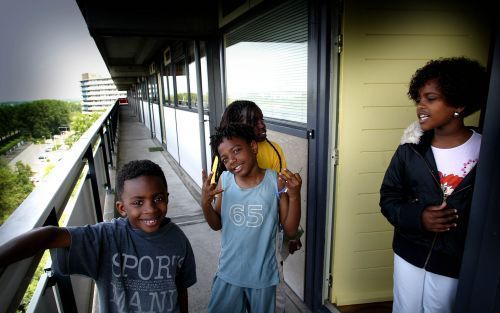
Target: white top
{"type": "Point", "coordinates": [454, 164]}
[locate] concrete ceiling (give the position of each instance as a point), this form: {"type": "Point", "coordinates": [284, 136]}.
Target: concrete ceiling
{"type": "Point", "coordinates": [130, 36]}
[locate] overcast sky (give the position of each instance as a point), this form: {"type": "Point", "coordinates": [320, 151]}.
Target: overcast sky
{"type": "Point", "coordinates": [45, 46]}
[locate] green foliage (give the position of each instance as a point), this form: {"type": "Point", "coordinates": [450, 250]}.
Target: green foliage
{"type": "Point", "coordinates": [23, 306]}
{"type": "Point", "coordinates": [48, 169]}
{"type": "Point", "coordinates": [37, 119]}
{"type": "Point", "coordinates": [79, 124]}
{"type": "Point", "coordinates": [9, 145]}
{"type": "Point", "coordinates": [15, 186]}
{"type": "Point", "coordinates": [8, 119]}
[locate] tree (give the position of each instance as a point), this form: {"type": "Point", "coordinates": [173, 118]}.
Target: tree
{"type": "Point", "coordinates": [8, 120]}
{"type": "Point", "coordinates": [15, 186]}
{"type": "Point", "coordinates": [79, 124]}
{"type": "Point", "coordinates": [42, 118]}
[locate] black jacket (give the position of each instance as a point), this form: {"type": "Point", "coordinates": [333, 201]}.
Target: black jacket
{"type": "Point", "coordinates": [411, 183]}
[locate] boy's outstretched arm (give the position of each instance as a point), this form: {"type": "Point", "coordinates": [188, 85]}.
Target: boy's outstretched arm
{"type": "Point", "coordinates": [208, 192]}
{"type": "Point", "coordinates": [32, 243]}
{"type": "Point", "coordinates": [289, 205]}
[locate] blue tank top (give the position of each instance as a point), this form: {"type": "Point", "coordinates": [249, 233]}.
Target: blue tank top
{"type": "Point", "coordinates": [249, 223]}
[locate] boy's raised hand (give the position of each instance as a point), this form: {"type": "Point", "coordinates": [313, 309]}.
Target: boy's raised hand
{"type": "Point", "coordinates": [208, 190]}
{"type": "Point", "coordinates": [291, 181]}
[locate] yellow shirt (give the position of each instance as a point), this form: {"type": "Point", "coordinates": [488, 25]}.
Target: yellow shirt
{"type": "Point", "coordinates": [266, 157]}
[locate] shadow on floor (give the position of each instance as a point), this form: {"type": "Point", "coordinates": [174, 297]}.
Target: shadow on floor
{"type": "Point", "coordinates": [380, 307]}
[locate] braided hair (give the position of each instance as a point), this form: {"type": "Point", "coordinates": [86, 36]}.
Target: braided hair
{"type": "Point", "coordinates": [245, 112]}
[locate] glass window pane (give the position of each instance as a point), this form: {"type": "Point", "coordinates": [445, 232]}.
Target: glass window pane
{"type": "Point", "coordinates": [181, 81]}
{"type": "Point", "coordinates": [266, 62]}
{"type": "Point", "coordinates": [192, 75]}
{"type": "Point", "coordinates": [204, 74]}
{"type": "Point", "coordinates": [164, 78]}
{"type": "Point", "coordinates": [170, 80]}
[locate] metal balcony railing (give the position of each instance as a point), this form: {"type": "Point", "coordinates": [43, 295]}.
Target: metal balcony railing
{"type": "Point", "coordinates": [74, 194]}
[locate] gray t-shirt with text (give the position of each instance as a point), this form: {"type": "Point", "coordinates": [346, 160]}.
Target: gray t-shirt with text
{"type": "Point", "coordinates": [134, 271]}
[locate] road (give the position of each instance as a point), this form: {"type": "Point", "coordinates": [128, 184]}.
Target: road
{"type": "Point", "coordinates": [33, 155]}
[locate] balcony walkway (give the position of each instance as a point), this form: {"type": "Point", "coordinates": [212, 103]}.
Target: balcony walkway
{"type": "Point", "coordinates": [134, 143]}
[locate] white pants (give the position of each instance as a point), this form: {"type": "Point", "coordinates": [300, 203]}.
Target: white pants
{"type": "Point", "coordinates": [419, 291]}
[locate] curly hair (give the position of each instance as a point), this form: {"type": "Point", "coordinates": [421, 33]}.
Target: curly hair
{"type": "Point", "coordinates": [241, 111]}
{"type": "Point", "coordinates": [231, 130]}
{"type": "Point", "coordinates": [137, 168]}
{"type": "Point", "coordinates": [462, 81]}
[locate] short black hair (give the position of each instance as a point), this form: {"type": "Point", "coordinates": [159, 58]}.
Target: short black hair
{"type": "Point", "coordinates": [236, 130]}
{"type": "Point", "coordinates": [137, 168]}
{"type": "Point", "coordinates": [241, 111]}
{"type": "Point", "coordinates": [462, 81]}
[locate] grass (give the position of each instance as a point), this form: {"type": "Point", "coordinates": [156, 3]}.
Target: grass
{"type": "Point", "coordinates": [153, 149]}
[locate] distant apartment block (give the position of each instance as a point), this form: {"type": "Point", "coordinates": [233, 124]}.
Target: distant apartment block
{"type": "Point", "coordinates": [98, 92]}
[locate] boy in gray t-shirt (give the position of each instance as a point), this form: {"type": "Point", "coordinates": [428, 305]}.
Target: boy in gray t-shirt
{"type": "Point", "coordinates": [141, 262]}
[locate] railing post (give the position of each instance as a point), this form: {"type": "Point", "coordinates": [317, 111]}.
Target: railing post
{"type": "Point", "coordinates": [109, 129]}
{"type": "Point", "coordinates": [63, 282]}
{"type": "Point", "coordinates": [108, 138]}
{"type": "Point", "coordinates": [93, 182]}
{"type": "Point", "coordinates": [114, 118]}
{"type": "Point", "coordinates": [103, 147]}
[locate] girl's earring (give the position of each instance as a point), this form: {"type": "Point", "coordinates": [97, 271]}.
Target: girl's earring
{"type": "Point", "coordinates": [456, 115]}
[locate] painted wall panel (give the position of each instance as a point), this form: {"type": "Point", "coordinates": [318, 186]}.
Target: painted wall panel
{"type": "Point", "coordinates": [188, 132]}
{"type": "Point", "coordinates": [384, 43]}
{"type": "Point", "coordinates": [145, 107]}
{"type": "Point", "coordinates": [171, 132]}
{"type": "Point", "coordinates": [156, 114]}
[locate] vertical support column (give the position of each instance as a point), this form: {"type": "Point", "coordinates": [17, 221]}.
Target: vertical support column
{"type": "Point", "coordinates": [201, 115]}
{"type": "Point", "coordinates": [319, 55]}
{"type": "Point", "coordinates": [215, 82]}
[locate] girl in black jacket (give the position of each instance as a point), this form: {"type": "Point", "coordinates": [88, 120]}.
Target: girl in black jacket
{"type": "Point", "coordinates": [427, 189]}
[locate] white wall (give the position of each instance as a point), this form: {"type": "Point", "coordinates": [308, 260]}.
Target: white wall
{"type": "Point", "coordinates": [156, 115]}
{"type": "Point", "coordinates": [171, 132]}
{"type": "Point", "coordinates": [189, 151]}
{"type": "Point", "coordinates": [145, 109]}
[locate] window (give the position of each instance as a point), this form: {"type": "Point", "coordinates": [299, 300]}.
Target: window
{"type": "Point", "coordinates": [152, 89]}
{"type": "Point", "coordinates": [266, 62]}
{"type": "Point", "coordinates": [181, 83]}
{"type": "Point", "coordinates": [193, 87]}
{"type": "Point", "coordinates": [168, 83]}
{"type": "Point", "coordinates": [204, 73]}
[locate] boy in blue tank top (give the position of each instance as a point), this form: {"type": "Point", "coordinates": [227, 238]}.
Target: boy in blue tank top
{"type": "Point", "coordinates": [251, 203]}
